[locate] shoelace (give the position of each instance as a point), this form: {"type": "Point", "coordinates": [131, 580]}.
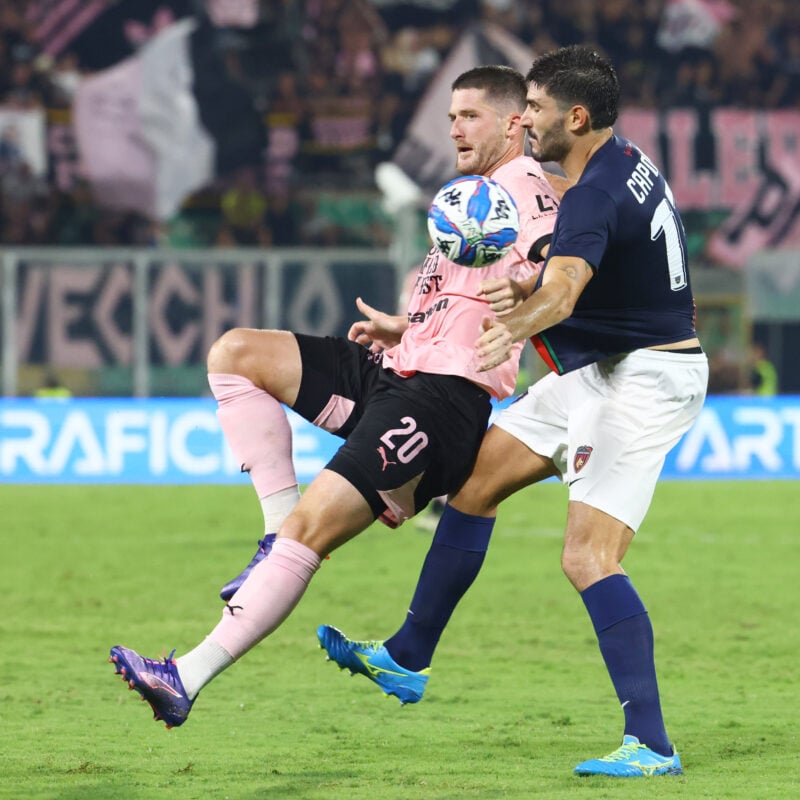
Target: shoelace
{"type": "Point", "coordinates": [374, 645]}
{"type": "Point", "coordinates": [163, 669]}
{"type": "Point", "coordinates": [623, 752]}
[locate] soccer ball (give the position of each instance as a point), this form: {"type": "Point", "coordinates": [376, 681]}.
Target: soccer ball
{"type": "Point", "coordinates": [473, 221]}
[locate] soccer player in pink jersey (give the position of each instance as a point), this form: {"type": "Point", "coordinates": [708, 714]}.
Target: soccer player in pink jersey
{"type": "Point", "coordinates": [412, 408]}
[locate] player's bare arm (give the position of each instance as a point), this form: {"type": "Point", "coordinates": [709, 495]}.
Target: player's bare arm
{"type": "Point", "coordinates": [379, 331]}
{"type": "Point", "coordinates": [505, 294]}
{"type": "Point", "coordinates": [564, 280]}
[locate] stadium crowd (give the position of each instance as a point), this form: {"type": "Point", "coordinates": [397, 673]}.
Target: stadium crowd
{"type": "Point", "coordinates": [336, 83]}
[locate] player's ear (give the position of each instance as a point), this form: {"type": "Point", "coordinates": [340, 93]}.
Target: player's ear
{"type": "Point", "coordinates": [578, 120]}
{"type": "Point", "coordinates": [513, 125]}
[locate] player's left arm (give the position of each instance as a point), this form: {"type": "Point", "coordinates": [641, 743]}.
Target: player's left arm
{"type": "Point", "coordinates": [564, 280]}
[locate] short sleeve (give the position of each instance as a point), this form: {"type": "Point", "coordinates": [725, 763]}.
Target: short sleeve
{"type": "Point", "coordinates": [587, 219]}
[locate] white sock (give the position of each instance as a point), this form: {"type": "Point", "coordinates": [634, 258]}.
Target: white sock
{"type": "Point", "coordinates": [201, 665]}
{"type": "Point", "coordinates": [276, 507]}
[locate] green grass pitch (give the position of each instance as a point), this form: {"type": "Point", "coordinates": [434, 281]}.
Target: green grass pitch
{"type": "Point", "coordinates": [518, 693]}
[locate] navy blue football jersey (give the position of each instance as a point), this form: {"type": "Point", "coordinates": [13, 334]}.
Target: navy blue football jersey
{"type": "Point", "coordinates": [621, 218]}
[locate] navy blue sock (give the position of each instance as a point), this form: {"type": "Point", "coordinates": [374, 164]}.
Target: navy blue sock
{"type": "Point", "coordinates": [625, 635]}
{"type": "Point", "coordinates": [452, 564]}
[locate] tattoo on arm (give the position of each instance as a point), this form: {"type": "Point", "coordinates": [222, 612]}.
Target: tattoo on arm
{"type": "Point", "coordinates": [571, 270]}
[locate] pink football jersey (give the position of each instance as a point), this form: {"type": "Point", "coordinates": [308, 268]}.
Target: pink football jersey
{"type": "Point", "coordinates": [444, 311]}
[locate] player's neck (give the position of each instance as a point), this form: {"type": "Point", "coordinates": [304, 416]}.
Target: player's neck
{"type": "Point", "coordinates": [508, 156]}
{"type": "Point", "coordinates": [577, 159]}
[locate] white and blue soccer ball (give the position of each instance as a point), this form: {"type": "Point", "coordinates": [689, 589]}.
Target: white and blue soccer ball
{"type": "Point", "coordinates": [473, 221]}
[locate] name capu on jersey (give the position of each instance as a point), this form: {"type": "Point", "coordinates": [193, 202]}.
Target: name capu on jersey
{"type": "Point", "coordinates": [621, 218]}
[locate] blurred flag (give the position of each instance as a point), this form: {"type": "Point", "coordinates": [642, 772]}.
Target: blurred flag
{"type": "Point", "coordinates": [767, 219]}
{"type": "Point", "coordinates": [55, 24]}
{"type": "Point", "coordinates": [693, 23]}
{"type": "Point", "coordinates": [164, 122]}
{"type": "Point", "coordinates": [138, 129]}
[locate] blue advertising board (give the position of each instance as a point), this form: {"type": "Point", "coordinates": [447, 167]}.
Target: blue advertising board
{"type": "Point", "coordinates": [179, 441]}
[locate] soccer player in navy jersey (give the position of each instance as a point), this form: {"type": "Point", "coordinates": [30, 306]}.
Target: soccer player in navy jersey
{"type": "Point", "coordinates": [613, 317]}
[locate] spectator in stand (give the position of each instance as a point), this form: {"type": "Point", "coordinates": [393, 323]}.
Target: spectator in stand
{"type": "Point", "coordinates": [571, 21]}
{"type": "Point", "coordinates": [763, 375]}
{"type": "Point", "coordinates": [75, 216]}
{"type": "Point", "coordinates": [695, 84]}
{"type": "Point", "coordinates": [284, 118]}
{"type": "Point", "coordinates": [357, 57]}
{"type": "Point", "coordinates": [22, 192]}
{"type": "Point", "coordinates": [39, 229]}
{"type": "Point", "coordinates": [281, 220]}
{"type": "Point", "coordinates": [52, 388]}
{"type": "Point", "coordinates": [28, 77]}
{"type": "Point", "coordinates": [784, 92]}
{"type": "Point", "coordinates": [746, 59]}
{"type": "Point", "coordinates": [314, 160]}
{"type": "Point", "coordinates": [507, 14]}
{"type": "Point", "coordinates": [530, 23]}
{"type": "Point", "coordinates": [65, 75]}
{"type": "Point", "coordinates": [626, 32]}
{"type": "Point", "coordinates": [10, 149]}
{"type": "Point", "coordinates": [5, 65]}
{"type": "Point", "coordinates": [115, 228]}
{"type": "Point", "coordinates": [243, 207]}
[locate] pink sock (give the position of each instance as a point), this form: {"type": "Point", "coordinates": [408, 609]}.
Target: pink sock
{"type": "Point", "coordinates": [267, 597]}
{"type": "Point", "coordinates": [259, 435]}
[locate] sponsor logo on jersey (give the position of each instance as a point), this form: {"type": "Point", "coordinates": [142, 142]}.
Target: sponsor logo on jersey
{"type": "Point", "coordinates": [546, 204]}
{"type": "Point", "coordinates": [421, 316]}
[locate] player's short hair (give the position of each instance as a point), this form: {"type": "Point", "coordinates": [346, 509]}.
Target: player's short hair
{"type": "Point", "coordinates": [578, 75]}
{"type": "Point", "coordinates": [504, 86]}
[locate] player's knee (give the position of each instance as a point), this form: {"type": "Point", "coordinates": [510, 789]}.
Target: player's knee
{"type": "Point", "coordinates": [311, 531]}
{"type": "Point", "coordinates": [572, 564]}
{"type": "Point", "coordinates": [229, 352]}
{"type": "Point", "coordinates": [296, 527]}
{"type": "Point", "coordinates": [475, 498]}
{"type": "Point", "coordinates": [584, 564]}
{"type": "Point", "coordinates": [579, 561]}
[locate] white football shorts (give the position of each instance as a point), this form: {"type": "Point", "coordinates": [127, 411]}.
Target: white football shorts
{"type": "Point", "coordinates": [609, 426]}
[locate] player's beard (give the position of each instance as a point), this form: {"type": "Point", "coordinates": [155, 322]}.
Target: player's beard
{"type": "Point", "coordinates": [469, 165]}
{"type": "Point", "coordinates": [480, 159]}
{"type": "Point", "coordinates": [552, 145]}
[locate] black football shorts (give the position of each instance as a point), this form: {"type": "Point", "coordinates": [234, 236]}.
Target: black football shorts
{"type": "Point", "coordinates": [407, 440]}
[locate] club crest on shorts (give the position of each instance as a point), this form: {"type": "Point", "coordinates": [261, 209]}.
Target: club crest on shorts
{"type": "Point", "coordinates": [581, 457]}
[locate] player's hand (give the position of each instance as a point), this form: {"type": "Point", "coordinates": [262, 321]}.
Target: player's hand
{"type": "Point", "coordinates": [503, 294]}
{"type": "Point", "coordinates": [379, 331]}
{"type": "Point", "coordinates": [494, 345]}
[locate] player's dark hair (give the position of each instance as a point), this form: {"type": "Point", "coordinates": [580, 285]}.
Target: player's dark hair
{"type": "Point", "coordinates": [502, 84]}
{"type": "Point", "coordinates": [577, 75]}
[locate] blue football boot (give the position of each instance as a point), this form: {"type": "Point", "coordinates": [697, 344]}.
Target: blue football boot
{"type": "Point", "coordinates": [372, 660]}
{"type": "Point", "coordinates": [632, 760]}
